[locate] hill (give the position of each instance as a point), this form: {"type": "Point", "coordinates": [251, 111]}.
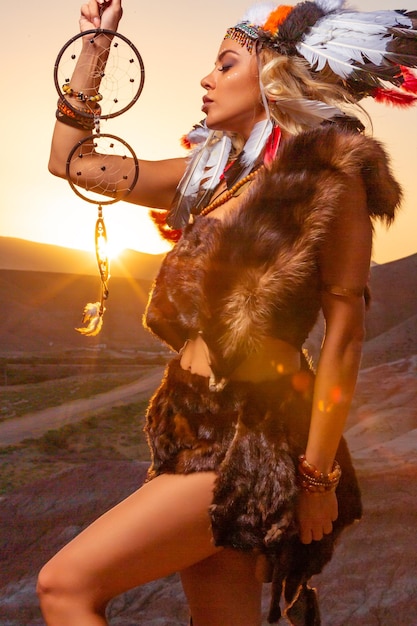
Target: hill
{"type": "Point", "coordinates": [20, 254]}
{"type": "Point", "coordinates": [39, 311]}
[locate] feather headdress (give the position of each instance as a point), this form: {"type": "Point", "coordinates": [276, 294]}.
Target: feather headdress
{"type": "Point", "coordinates": [368, 52]}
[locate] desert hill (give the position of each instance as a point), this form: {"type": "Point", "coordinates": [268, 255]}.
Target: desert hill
{"type": "Point", "coordinates": [39, 311]}
{"type": "Point", "coordinates": [44, 288]}
{"type": "Point", "coordinates": [20, 254]}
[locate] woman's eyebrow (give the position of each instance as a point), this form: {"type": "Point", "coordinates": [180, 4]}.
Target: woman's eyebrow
{"type": "Point", "coordinates": [224, 52]}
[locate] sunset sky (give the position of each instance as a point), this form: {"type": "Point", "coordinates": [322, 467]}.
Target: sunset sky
{"type": "Point", "coordinates": [178, 42]}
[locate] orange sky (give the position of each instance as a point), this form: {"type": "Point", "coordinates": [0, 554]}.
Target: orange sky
{"type": "Point", "coordinates": [178, 43]}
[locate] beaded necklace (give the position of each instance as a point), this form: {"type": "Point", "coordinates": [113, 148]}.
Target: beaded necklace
{"type": "Point", "coordinates": [227, 195]}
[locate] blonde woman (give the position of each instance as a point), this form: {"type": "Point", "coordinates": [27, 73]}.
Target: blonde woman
{"type": "Point", "coordinates": [272, 215]}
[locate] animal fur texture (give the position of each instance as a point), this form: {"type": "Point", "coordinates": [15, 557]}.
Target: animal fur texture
{"type": "Point", "coordinates": [251, 435]}
{"type": "Point", "coordinates": [255, 273]}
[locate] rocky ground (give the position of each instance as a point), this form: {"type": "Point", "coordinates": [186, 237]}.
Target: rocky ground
{"type": "Point", "coordinates": [371, 581]}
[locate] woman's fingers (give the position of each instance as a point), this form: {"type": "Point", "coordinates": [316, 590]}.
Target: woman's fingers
{"type": "Point", "coordinates": [316, 514]}
{"type": "Point", "coordinates": [101, 14]}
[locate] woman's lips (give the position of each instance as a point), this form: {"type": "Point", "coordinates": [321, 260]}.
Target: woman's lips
{"type": "Point", "coordinates": [206, 103]}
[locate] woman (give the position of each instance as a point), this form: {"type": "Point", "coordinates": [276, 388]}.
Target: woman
{"type": "Point", "coordinates": [273, 217]}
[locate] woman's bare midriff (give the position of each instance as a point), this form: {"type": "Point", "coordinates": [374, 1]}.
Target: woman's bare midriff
{"type": "Point", "coordinates": [274, 359]}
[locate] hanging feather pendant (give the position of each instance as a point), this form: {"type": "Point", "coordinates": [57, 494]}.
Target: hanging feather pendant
{"type": "Point", "coordinates": [93, 311]}
{"type": "Point", "coordinates": [93, 317]}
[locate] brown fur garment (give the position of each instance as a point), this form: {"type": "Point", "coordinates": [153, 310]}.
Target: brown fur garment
{"type": "Point", "coordinates": [250, 434]}
{"type": "Point", "coordinates": [255, 274]}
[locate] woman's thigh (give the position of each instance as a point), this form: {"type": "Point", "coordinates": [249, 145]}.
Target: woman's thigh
{"type": "Point", "coordinates": [162, 528]}
{"type": "Point", "coordinates": [224, 590]}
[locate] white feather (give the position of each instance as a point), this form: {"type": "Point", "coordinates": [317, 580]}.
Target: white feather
{"type": "Point", "coordinates": [215, 166]}
{"type": "Point", "coordinates": [318, 58]}
{"type": "Point", "coordinates": [207, 164]}
{"type": "Point", "coordinates": [259, 13]}
{"type": "Point", "coordinates": [311, 112]}
{"type": "Point", "coordinates": [369, 22]}
{"type": "Point", "coordinates": [256, 142]}
{"type": "Point", "coordinates": [330, 5]}
{"type": "Point", "coordinates": [350, 36]}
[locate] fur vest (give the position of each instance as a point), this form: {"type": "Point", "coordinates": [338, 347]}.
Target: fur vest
{"type": "Point", "coordinates": [255, 273]}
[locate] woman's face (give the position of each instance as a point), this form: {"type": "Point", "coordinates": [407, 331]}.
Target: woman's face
{"type": "Point", "coordinates": [233, 99]}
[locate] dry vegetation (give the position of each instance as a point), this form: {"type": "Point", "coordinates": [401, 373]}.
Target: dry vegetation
{"type": "Point", "coordinates": [113, 434]}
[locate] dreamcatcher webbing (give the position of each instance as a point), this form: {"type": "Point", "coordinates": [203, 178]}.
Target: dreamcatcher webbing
{"type": "Point", "coordinates": [110, 106]}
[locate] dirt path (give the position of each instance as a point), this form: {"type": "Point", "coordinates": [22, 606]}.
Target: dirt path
{"type": "Point", "coordinates": [35, 424]}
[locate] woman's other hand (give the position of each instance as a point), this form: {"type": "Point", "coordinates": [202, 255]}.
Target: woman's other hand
{"type": "Point", "coordinates": [101, 14]}
{"type": "Point", "coordinates": [316, 513]}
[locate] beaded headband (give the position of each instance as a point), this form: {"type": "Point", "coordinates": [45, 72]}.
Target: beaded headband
{"type": "Point", "coordinates": [247, 32]}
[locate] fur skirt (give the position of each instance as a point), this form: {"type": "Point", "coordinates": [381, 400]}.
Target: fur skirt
{"type": "Point", "coordinates": [251, 435]}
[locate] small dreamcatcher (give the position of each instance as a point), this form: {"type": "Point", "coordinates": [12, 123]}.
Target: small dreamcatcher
{"type": "Point", "coordinates": [101, 168]}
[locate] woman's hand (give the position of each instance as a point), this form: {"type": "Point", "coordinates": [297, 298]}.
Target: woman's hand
{"type": "Point", "coordinates": [316, 513]}
{"type": "Point", "coordinates": [101, 14]}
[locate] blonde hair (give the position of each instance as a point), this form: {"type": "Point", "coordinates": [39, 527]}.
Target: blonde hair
{"type": "Point", "coordinates": [289, 78]}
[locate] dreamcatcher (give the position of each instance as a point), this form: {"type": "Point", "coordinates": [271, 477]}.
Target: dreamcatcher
{"type": "Point", "coordinates": [113, 168]}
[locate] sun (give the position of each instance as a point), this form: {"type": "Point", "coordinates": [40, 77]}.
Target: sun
{"type": "Point", "coordinates": [133, 229]}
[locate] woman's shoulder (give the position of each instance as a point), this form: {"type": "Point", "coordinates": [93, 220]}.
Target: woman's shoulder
{"type": "Point", "coordinates": [344, 154]}
{"type": "Point", "coordinates": [330, 145]}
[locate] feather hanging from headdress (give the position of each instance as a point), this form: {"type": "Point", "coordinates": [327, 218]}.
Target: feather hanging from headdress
{"type": "Point", "coordinates": [206, 168]}
{"type": "Point", "coordinates": [202, 174]}
{"type": "Point", "coordinates": [308, 112]}
{"type": "Point", "coordinates": [410, 80]}
{"type": "Point", "coordinates": [394, 96]}
{"type": "Point", "coordinates": [255, 144]}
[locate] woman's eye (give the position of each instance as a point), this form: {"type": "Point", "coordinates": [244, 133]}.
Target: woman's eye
{"type": "Point", "coordinates": [224, 68]}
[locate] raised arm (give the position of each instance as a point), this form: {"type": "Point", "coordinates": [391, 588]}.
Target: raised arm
{"type": "Point", "coordinates": [157, 179]}
{"type": "Point", "coordinates": [345, 262]}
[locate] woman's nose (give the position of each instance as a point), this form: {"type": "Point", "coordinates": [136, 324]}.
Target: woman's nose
{"type": "Point", "coordinates": [207, 81]}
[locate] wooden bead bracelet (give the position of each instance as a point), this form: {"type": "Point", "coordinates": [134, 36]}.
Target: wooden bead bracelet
{"type": "Point", "coordinates": [313, 481]}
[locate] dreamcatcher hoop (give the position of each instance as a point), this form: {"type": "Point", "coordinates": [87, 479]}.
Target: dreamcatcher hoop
{"type": "Point", "coordinates": [133, 74]}
{"type": "Point", "coordinates": [101, 167]}
{"type": "Point", "coordinates": [108, 75]}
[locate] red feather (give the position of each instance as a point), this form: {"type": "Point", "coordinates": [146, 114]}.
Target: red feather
{"type": "Point", "coordinates": [185, 142]}
{"type": "Point", "coordinates": [395, 97]}
{"type": "Point", "coordinates": [410, 80]}
{"type": "Point", "coordinates": [167, 233]}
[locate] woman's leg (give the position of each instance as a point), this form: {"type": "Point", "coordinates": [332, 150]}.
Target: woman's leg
{"type": "Point", "coordinates": [162, 528]}
{"type": "Point", "coordinates": [223, 590]}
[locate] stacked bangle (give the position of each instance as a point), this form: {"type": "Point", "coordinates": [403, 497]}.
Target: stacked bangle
{"type": "Point", "coordinates": [313, 481]}
{"type": "Point", "coordinates": [76, 118]}
{"type": "Point", "coordinates": [79, 95]}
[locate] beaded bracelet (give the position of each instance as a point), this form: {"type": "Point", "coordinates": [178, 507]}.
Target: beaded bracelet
{"type": "Point", "coordinates": [313, 481]}
{"type": "Point", "coordinates": [69, 121]}
{"type": "Point", "coordinates": [70, 116]}
{"type": "Point", "coordinates": [69, 91]}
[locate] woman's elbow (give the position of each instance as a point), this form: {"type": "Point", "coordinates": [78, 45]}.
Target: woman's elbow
{"type": "Point", "coordinates": [57, 167]}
